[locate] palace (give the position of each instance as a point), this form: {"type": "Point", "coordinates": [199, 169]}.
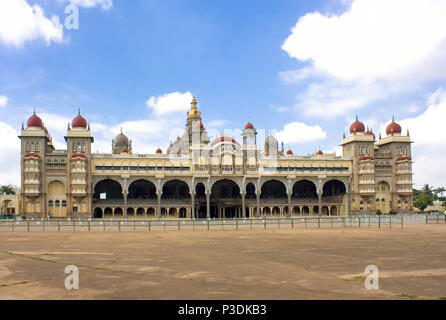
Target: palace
{"type": "Point", "coordinates": [197, 178]}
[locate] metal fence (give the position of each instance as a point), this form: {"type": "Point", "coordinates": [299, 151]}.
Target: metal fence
{"type": "Point", "coordinates": [311, 222]}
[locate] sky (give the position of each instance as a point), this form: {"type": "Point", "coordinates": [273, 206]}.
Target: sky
{"type": "Point", "coordinates": [302, 69]}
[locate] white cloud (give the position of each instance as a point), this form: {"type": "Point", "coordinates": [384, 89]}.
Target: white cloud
{"type": "Point", "coordinates": [427, 132]}
{"type": "Point", "coordinates": [373, 39]}
{"type": "Point", "coordinates": [10, 159]}
{"type": "Point", "coordinates": [104, 4]}
{"type": "Point", "coordinates": [298, 132]}
{"type": "Point", "coordinates": [3, 101]}
{"type": "Point", "coordinates": [377, 49]}
{"type": "Point", "coordinates": [21, 22]}
{"type": "Point", "coordinates": [170, 102]}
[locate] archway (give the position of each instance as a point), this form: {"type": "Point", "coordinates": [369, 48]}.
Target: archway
{"type": "Point", "coordinates": [305, 211]}
{"type": "Point", "coordinates": [182, 213]}
{"type": "Point", "coordinates": [130, 212]}
{"type": "Point", "coordinates": [119, 213]}
{"type": "Point", "coordinates": [276, 211]}
{"type": "Point", "coordinates": [250, 191]}
{"type": "Point", "coordinates": [383, 197]}
{"type": "Point", "coordinates": [334, 211]}
{"type": "Point", "coordinates": [150, 212]}
{"type": "Point", "coordinates": [333, 188]}
{"type": "Point", "coordinates": [56, 196]}
{"type": "Point", "coordinates": [296, 211]}
{"type": "Point", "coordinates": [273, 189]}
{"type": "Point", "coordinates": [108, 213]}
{"type": "Point", "coordinates": [107, 189]}
{"type": "Point", "coordinates": [325, 211]}
{"type": "Point", "coordinates": [316, 210]}
{"type": "Point", "coordinates": [97, 213]}
{"type": "Point", "coordinates": [305, 189]}
{"type": "Point", "coordinates": [175, 189]}
{"type": "Point", "coordinates": [225, 199]}
{"type": "Point", "coordinates": [142, 189]}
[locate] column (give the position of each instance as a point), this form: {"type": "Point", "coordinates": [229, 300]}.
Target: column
{"type": "Point", "coordinates": [125, 204]}
{"type": "Point", "coordinates": [319, 197]}
{"type": "Point", "coordinates": [258, 203]}
{"type": "Point", "coordinates": [192, 196]}
{"type": "Point", "coordinates": [243, 206]}
{"type": "Point", "coordinates": [289, 205]}
{"type": "Point", "coordinates": [158, 207]}
{"type": "Point", "coordinates": [208, 205]}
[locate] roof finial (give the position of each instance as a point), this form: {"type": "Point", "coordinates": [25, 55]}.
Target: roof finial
{"type": "Point", "coordinates": [121, 129]}
{"type": "Point", "coordinates": [356, 117]}
{"type": "Point", "coordinates": [34, 111]}
{"type": "Point", "coordinates": [79, 111]}
{"type": "Point", "coordinates": [393, 118]}
{"type": "Point", "coordinates": [194, 101]}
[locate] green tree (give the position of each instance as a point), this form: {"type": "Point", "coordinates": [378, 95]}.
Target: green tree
{"type": "Point", "coordinates": [439, 193]}
{"type": "Point", "coordinates": [9, 189]}
{"type": "Point", "coordinates": [423, 200]}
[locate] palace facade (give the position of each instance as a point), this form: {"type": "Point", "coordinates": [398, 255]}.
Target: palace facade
{"type": "Point", "coordinates": [199, 178]}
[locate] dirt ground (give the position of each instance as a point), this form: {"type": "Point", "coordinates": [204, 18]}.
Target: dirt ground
{"type": "Point", "coordinates": [229, 264]}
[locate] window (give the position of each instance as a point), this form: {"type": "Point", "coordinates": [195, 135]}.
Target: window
{"type": "Point", "coordinates": [57, 203]}
{"type": "Point", "coordinates": [64, 203]}
{"type": "Point", "coordinates": [50, 203]}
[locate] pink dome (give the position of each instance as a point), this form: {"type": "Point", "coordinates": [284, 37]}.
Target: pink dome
{"type": "Point", "coordinates": [35, 121]}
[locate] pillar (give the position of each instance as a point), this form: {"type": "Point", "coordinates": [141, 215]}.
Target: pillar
{"type": "Point", "coordinates": [289, 205]}
{"type": "Point", "coordinates": [258, 203]}
{"type": "Point", "coordinates": [208, 205]}
{"type": "Point", "coordinates": [124, 193]}
{"type": "Point", "coordinates": [243, 206]}
{"type": "Point", "coordinates": [158, 207]}
{"type": "Point", "coordinates": [192, 196]}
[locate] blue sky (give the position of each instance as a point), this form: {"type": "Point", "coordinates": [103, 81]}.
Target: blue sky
{"type": "Point", "coordinates": [241, 59]}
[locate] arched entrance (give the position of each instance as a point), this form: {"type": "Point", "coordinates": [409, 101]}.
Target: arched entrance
{"type": "Point", "coordinates": [225, 199]}
{"type": "Point", "coordinates": [57, 203]}
{"type": "Point", "coordinates": [304, 189]}
{"type": "Point", "coordinates": [383, 197]}
{"type": "Point", "coordinates": [273, 189]}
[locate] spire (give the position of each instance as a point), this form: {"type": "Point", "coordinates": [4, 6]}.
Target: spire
{"type": "Point", "coordinates": [393, 118]}
{"type": "Point", "coordinates": [79, 112]}
{"type": "Point", "coordinates": [34, 111]}
{"type": "Point", "coordinates": [194, 102]}
{"type": "Point", "coordinates": [23, 126]}
{"type": "Point", "coordinates": [357, 118]}
{"type": "Point", "coordinates": [121, 129]}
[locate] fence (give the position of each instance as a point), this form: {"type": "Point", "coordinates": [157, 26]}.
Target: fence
{"type": "Point", "coordinates": [312, 222]}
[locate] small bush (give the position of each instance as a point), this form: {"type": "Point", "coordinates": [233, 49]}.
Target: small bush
{"type": "Point", "coordinates": [378, 212]}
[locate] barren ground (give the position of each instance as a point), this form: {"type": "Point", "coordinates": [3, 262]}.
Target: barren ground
{"type": "Point", "coordinates": [229, 264]}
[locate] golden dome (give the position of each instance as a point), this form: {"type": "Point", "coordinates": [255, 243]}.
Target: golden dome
{"type": "Point", "coordinates": [194, 112]}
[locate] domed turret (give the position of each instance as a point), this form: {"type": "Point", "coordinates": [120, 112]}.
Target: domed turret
{"type": "Point", "coordinates": [79, 121]}
{"type": "Point", "coordinates": [393, 128]}
{"type": "Point", "coordinates": [120, 143]}
{"type": "Point", "coordinates": [357, 126]}
{"type": "Point", "coordinates": [159, 151]}
{"type": "Point", "coordinates": [289, 153]}
{"type": "Point", "coordinates": [35, 121]}
{"type": "Point", "coordinates": [319, 153]}
{"type": "Point", "coordinates": [249, 125]}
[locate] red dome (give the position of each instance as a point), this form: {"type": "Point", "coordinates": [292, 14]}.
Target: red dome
{"type": "Point", "coordinates": [35, 121]}
{"type": "Point", "coordinates": [366, 158]}
{"type": "Point", "coordinates": [79, 155]}
{"type": "Point", "coordinates": [124, 150]}
{"type": "Point", "coordinates": [393, 128]}
{"type": "Point", "coordinates": [224, 139]}
{"type": "Point", "coordinates": [319, 152]}
{"type": "Point", "coordinates": [79, 122]}
{"type": "Point", "coordinates": [249, 125]}
{"type": "Point", "coordinates": [357, 126]}
{"type": "Point", "coordinates": [159, 150]}
{"type": "Point", "coordinates": [289, 152]}
{"type": "Point", "coordinates": [32, 154]}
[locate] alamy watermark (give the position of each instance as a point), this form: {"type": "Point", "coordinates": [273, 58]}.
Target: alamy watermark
{"type": "Point", "coordinates": [372, 280]}
{"type": "Point", "coordinates": [72, 281]}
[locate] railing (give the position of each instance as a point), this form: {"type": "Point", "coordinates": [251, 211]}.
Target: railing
{"type": "Point", "coordinates": [296, 222]}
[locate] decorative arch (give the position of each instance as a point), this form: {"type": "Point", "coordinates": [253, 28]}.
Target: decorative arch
{"type": "Point", "coordinates": [273, 188]}
{"type": "Point", "coordinates": [334, 187]}
{"type": "Point", "coordinates": [141, 189]}
{"type": "Point", "coordinates": [212, 182]}
{"type": "Point", "coordinates": [113, 189]}
{"type": "Point", "coordinates": [224, 192]}
{"type": "Point", "coordinates": [304, 188]}
{"type": "Point", "coordinates": [180, 190]}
